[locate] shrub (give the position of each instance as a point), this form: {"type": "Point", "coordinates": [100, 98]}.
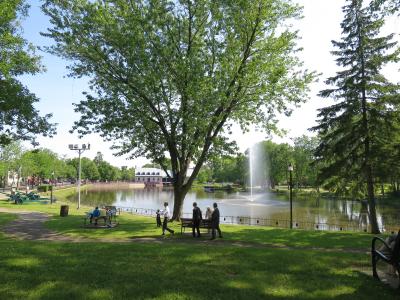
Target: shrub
{"type": "Point", "coordinates": [44, 188]}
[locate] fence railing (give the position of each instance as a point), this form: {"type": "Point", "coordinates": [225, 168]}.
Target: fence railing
{"type": "Point", "coordinates": [279, 223]}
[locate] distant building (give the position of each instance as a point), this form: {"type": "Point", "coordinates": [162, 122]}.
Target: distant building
{"type": "Point", "coordinates": [149, 175]}
{"type": "Point", "coordinates": [154, 176]}
{"type": "Point", "coordinates": [12, 178]}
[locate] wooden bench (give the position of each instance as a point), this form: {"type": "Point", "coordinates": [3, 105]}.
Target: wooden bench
{"type": "Point", "coordinates": [390, 256]}
{"type": "Point", "coordinates": [188, 223]}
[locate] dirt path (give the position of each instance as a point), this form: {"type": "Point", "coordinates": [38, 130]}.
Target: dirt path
{"type": "Point", "coordinates": [29, 226]}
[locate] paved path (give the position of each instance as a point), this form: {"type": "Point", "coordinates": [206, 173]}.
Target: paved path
{"type": "Point", "coordinates": [29, 226]}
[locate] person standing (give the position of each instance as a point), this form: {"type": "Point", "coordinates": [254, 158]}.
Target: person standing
{"type": "Point", "coordinates": [208, 213]}
{"type": "Point", "coordinates": [166, 213]}
{"type": "Point", "coordinates": [158, 218]}
{"type": "Point", "coordinates": [215, 222]}
{"type": "Point", "coordinates": [196, 219]}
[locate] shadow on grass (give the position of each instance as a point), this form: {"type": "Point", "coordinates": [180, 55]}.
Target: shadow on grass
{"type": "Point", "coordinates": [37, 270]}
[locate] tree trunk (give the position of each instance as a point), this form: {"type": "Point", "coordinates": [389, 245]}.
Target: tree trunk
{"type": "Point", "coordinates": [179, 197]}
{"type": "Point", "coordinates": [371, 202]}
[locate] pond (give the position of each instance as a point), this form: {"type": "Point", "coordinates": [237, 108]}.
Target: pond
{"type": "Point", "coordinates": [262, 208]}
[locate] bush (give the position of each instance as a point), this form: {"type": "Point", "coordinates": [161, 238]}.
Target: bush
{"type": "Point", "coordinates": [44, 188]}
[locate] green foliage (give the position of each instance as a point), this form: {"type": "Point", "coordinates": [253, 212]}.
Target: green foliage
{"type": "Point", "coordinates": [306, 168]}
{"type": "Point", "coordinates": [366, 116]}
{"type": "Point", "coordinates": [356, 131]}
{"type": "Point", "coordinates": [126, 174]}
{"type": "Point", "coordinates": [230, 169]}
{"type": "Point", "coordinates": [205, 174]}
{"type": "Point", "coordinates": [41, 163]}
{"type": "Point", "coordinates": [386, 6]}
{"type": "Point", "coordinates": [19, 120]}
{"type": "Point", "coordinates": [107, 171]}
{"type": "Point", "coordinates": [89, 169]}
{"type": "Point", "coordinates": [171, 77]}
{"type": "Point", "coordinates": [278, 157]}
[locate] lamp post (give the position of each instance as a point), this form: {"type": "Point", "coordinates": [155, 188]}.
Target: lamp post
{"type": "Point", "coordinates": [52, 187]}
{"type": "Point", "coordinates": [80, 150]}
{"type": "Point", "coordinates": [19, 177]}
{"type": "Point", "coordinates": [290, 169]}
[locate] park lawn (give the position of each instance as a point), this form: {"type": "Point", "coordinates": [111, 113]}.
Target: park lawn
{"type": "Point", "coordinates": [58, 270]}
{"type": "Point", "coordinates": [132, 226]}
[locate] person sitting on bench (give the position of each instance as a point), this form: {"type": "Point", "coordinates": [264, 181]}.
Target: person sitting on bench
{"type": "Point", "coordinates": [95, 214]}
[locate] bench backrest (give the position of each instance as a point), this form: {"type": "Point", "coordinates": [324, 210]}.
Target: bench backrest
{"type": "Point", "coordinates": [186, 220]}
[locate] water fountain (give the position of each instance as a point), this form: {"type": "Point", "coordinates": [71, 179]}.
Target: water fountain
{"type": "Point", "coordinates": [257, 169]}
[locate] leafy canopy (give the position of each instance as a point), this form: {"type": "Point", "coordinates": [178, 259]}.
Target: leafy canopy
{"type": "Point", "coordinates": [18, 117]}
{"type": "Point", "coordinates": [170, 75]}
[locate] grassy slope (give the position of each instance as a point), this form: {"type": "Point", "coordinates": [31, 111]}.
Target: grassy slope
{"type": "Point", "coordinates": [42, 270]}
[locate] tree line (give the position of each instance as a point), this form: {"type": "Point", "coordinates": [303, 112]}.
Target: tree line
{"type": "Point", "coordinates": [276, 156]}
{"type": "Point", "coordinates": [44, 165]}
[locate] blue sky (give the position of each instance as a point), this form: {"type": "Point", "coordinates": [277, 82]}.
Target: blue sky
{"type": "Point", "coordinates": [320, 25]}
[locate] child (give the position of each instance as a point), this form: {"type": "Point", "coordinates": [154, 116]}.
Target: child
{"type": "Point", "coordinates": [158, 217]}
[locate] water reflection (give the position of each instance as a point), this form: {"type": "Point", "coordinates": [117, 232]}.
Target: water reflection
{"type": "Point", "coordinates": [239, 206]}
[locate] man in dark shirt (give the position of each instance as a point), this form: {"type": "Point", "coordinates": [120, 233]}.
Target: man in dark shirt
{"type": "Point", "coordinates": [215, 222]}
{"type": "Point", "coordinates": [196, 219]}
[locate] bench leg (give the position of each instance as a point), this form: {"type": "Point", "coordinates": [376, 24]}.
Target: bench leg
{"type": "Point", "coordinates": [374, 260]}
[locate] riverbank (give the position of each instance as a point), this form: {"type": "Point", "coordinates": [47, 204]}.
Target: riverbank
{"type": "Point", "coordinates": [246, 264]}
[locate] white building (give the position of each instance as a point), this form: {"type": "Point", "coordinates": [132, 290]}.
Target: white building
{"type": "Point", "coordinates": [154, 175]}
{"type": "Point", "coordinates": [12, 178]}
{"type": "Point", "coordinates": [149, 175]}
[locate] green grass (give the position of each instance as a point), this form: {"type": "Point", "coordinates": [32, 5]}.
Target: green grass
{"type": "Point", "coordinates": [132, 226]}
{"type": "Point", "coordinates": [56, 270]}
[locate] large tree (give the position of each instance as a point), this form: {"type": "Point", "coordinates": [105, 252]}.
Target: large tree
{"type": "Point", "coordinates": [365, 115]}
{"type": "Point", "coordinates": [168, 78]}
{"type": "Point", "coordinates": [19, 120]}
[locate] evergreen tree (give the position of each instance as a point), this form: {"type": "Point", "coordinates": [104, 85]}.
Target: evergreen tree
{"type": "Point", "coordinates": [353, 130]}
{"type": "Point", "coordinates": [387, 6]}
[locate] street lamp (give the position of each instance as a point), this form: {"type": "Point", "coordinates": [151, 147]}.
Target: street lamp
{"type": "Point", "coordinates": [290, 169]}
{"type": "Point", "coordinates": [52, 187]}
{"type": "Point", "coordinates": [80, 150]}
{"type": "Point", "coordinates": [19, 177]}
